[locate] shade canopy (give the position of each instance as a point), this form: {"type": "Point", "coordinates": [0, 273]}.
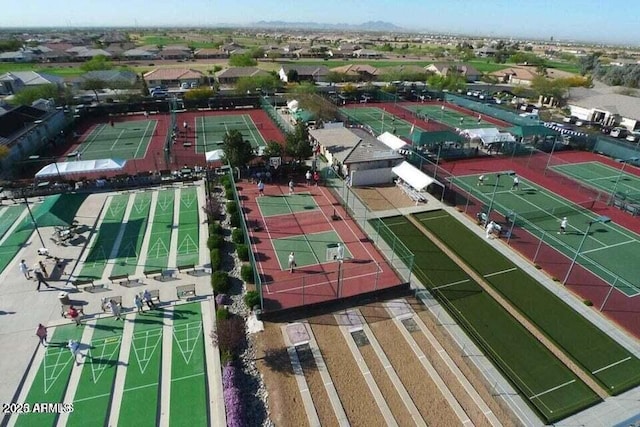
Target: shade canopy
{"type": "Point", "coordinates": [413, 176]}
{"type": "Point", "coordinates": [56, 211]}
{"type": "Point", "coordinates": [392, 141]}
{"type": "Point", "coordinates": [215, 155]}
{"type": "Point", "coordinates": [80, 167]}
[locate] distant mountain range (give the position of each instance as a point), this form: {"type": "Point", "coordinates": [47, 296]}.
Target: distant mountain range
{"type": "Point", "coordinates": [367, 26]}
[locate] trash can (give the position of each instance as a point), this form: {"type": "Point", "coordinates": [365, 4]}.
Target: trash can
{"type": "Point", "coordinates": [63, 297]}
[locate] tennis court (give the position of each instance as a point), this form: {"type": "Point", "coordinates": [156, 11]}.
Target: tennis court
{"type": "Point", "coordinates": [380, 121]}
{"type": "Point", "coordinates": [603, 177]}
{"type": "Point", "coordinates": [608, 251]}
{"type": "Point", "coordinates": [549, 386]}
{"type": "Point", "coordinates": [449, 117]}
{"type": "Point", "coordinates": [211, 130]}
{"type": "Point", "coordinates": [614, 367]}
{"type": "Point", "coordinates": [123, 140]}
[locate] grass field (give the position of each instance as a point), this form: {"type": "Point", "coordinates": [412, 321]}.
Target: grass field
{"type": "Point", "coordinates": [609, 250]}
{"type": "Point", "coordinates": [615, 368]}
{"type": "Point", "coordinates": [545, 383]}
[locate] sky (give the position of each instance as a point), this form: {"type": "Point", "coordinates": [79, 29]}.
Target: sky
{"type": "Point", "coordinates": [613, 21]}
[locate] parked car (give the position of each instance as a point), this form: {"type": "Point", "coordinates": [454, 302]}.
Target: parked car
{"type": "Point", "coordinates": [193, 85]}
{"type": "Point", "coordinates": [184, 85]}
{"type": "Point", "coordinates": [618, 132]}
{"type": "Point", "coordinates": [633, 136]}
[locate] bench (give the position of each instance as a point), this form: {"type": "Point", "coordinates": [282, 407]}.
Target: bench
{"type": "Point", "coordinates": [164, 274]}
{"type": "Point", "coordinates": [181, 268]}
{"type": "Point", "coordinates": [104, 302]}
{"type": "Point", "coordinates": [82, 283]}
{"type": "Point", "coordinates": [120, 278]}
{"type": "Point", "coordinates": [155, 295]}
{"type": "Point", "coordinates": [186, 291]}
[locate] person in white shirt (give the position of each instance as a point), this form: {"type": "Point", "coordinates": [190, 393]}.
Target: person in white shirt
{"type": "Point", "coordinates": [24, 269]}
{"type": "Point", "coordinates": [480, 180]}
{"type": "Point", "coordinates": [563, 225]}
{"type": "Point", "coordinates": [292, 262]}
{"type": "Point", "coordinates": [516, 183]}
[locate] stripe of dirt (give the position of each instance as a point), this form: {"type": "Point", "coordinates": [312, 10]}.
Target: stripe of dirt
{"type": "Point", "coordinates": [425, 394]}
{"type": "Point", "coordinates": [358, 403]}
{"type": "Point", "coordinates": [273, 362]}
{"type": "Point", "coordinates": [394, 401]}
{"type": "Point", "coordinates": [316, 387]}
{"type": "Point", "coordinates": [499, 408]}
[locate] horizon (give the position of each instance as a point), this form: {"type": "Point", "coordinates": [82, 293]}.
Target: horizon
{"type": "Point", "coordinates": [585, 22]}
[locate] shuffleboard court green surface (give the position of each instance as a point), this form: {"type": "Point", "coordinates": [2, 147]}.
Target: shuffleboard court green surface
{"type": "Point", "coordinates": [160, 238]}
{"type": "Point", "coordinates": [188, 234]}
{"type": "Point", "coordinates": [128, 254]}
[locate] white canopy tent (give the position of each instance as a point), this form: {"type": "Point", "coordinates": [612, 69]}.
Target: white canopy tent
{"type": "Point", "coordinates": [392, 141]}
{"type": "Point", "coordinates": [488, 136]}
{"type": "Point", "coordinates": [80, 167]}
{"type": "Point", "coordinates": [214, 156]}
{"type": "Point", "coordinates": [414, 177]}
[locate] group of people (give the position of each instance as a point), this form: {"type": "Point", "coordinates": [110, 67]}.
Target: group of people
{"type": "Point", "coordinates": [515, 186]}
{"type": "Point", "coordinates": [39, 272]}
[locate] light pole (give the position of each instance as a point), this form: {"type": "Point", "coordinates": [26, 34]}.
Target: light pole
{"type": "Point", "coordinates": [35, 223]}
{"type": "Point", "coordinates": [495, 187]}
{"type": "Point", "coordinates": [624, 164]}
{"type": "Point", "coordinates": [601, 219]}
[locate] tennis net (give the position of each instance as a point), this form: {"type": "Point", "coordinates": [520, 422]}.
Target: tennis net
{"type": "Point", "coordinates": [558, 211]}
{"type": "Point", "coordinates": [225, 127]}
{"type": "Point", "coordinates": [107, 134]}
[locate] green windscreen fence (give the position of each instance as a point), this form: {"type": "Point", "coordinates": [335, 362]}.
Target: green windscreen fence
{"type": "Point", "coordinates": [490, 110]}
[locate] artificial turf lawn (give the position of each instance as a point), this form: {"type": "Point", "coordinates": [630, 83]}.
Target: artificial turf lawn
{"type": "Point", "coordinates": [530, 366]}
{"type": "Point", "coordinates": [591, 348]}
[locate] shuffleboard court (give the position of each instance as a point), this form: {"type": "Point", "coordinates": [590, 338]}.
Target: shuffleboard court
{"type": "Point", "coordinates": [189, 399]}
{"type": "Point", "coordinates": [188, 251]}
{"type": "Point", "coordinates": [128, 254]}
{"type": "Point", "coordinates": [211, 130]}
{"type": "Point", "coordinates": [92, 398]}
{"type": "Point", "coordinates": [609, 250]}
{"type": "Point", "coordinates": [123, 140]}
{"type": "Point", "coordinates": [52, 377]}
{"type": "Point", "coordinates": [449, 117]}
{"type": "Point", "coordinates": [160, 238]}
{"type": "Point", "coordinates": [142, 382]}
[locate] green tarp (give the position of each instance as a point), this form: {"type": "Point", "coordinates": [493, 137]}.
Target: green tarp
{"type": "Point", "coordinates": [528, 131]}
{"type": "Point", "coordinates": [57, 211]}
{"type": "Point", "coordinates": [420, 138]}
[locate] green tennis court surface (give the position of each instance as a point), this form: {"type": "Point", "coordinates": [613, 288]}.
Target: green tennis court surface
{"type": "Point", "coordinates": [188, 226]}
{"type": "Point", "coordinates": [126, 259]}
{"type": "Point", "coordinates": [51, 380]}
{"type": "Point", "coordinates": [609, 251]}
{"type": "Point", "coordinates": [126, 140]}
{"type": "Point", "coordinates": [142, 382]}
{"type": "Point", "coordinates": [309, 249]}
{"type": "Point", "coordinates": [285, 204]}
{"type": "Point", "coordinates": [449, 117]}
{"type": "Point", "coordinates": [615, 368]}
{"type": "Point", "coordinates": [93, 395]}
{"type": "Point", "coordinates": [160, 238]}
{"type": "Point", "coordinates": [211, 130]}
{"type": "Point", "coordinates": [380, 121]}
{"type": "Point", "coordinates": [544, 382]}
{"type": "Point", "coordinates": [188, 374]}
{"type": "Point", "coordinates": [100, 252]}
{"type": "Point", "coordinates": [603, 177]}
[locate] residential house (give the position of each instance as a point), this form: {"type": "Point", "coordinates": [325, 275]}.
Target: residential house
{"type": "Point", "coordinates": [367, 54]}
{"type": "Point", "coordinates": [356, 153]}
{"type": "Point", "coordinates": [209, 53]}
{"type": "Point", "coordinates": [311, 73]}
{"type": "Point", "coordinates": [173, 77]}
{"type": "Point", "coordinates": [520, 76]}
{"type": "Point", "coordinates": [231, 75]}
{"type": "Point", "coordinates": [467, 71]}
{"type": "Point", "coordinates": [485, 52]}
{"type": "Point", "coordinates": [139, 54]}
{"type": "Point", "coordinates": [87, 54]}
{"type": "Point", "coordinates": [112, 78]}
{"type": "Point", "coordinates": [17, 56]}
{"type": "Point", "coordinates": [177, 54]}
{"type": "Point", "coordinates": [603, 106]}
{"type": "Point", "coordinates": [312, 52]}
{"type": "Point", "coordinates": [13, 82]}
{"type": "Point", "coordinates": [360, 72]}
{"type": "Point", "coordinates": [230, 48]}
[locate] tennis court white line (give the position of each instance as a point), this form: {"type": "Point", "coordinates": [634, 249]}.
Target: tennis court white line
{"type": "Point", "coordinates": [139, 387]}
{"type": "Point", "coordinates": [313, 285]}
{"type": "Point", "coordinates": [535, 396]}
{"type": "Point", "coordinates": [607, 247]}
{"type": "Point", "coordinates": [93, 137]}
{"type": "Point", "coordinates": [611, 365]}
{"type": "Point", "coordinates": [459, 282]}
{"type": "Point", "coordinates": [393, 224]}
{"type": "Point", "coordinates": [508, 270]}
{"type": "Point", "coordinates": [117, 139]}
{"type": "Point", "coordinates": [153, 131]}
{"type": "Point", "coordinates": [91, 398]}
{"type": "Point", "coordinates": [431, 218]}
{"type": "Point", "coordinates": [305, 235]}
{"type": "Point", "coordinates": [187, 377]}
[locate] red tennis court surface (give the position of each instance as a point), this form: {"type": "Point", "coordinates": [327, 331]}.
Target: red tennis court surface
{"type": "Point", "coordinates": [623, 310]}
{"type": "Point", "coordinates": [367, 271]}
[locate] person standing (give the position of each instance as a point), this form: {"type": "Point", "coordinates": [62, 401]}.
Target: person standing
{"type": "Point", "coordinates": [292, 262]}
{"type": "Point", "coordinates": [563, 225]}
{"type": "Point", "coordinates": [40, 277]}
{"type": "Point", "coordinates": [74, 348]}
{"type": "Point", "coordinates": [185, 124]}
{"type": "Point", "coordinates": [74, 314]}
{"type": "Point", "coordinates": [308, 177]}
{"type": "Point", "coordinates": [146, 296]}
{"type": "Point", "coordinates": [116, 310]}
{"type": "Point", "coordinates": [41, 332]}
{"type": "Point", "coordinates": [480, 180]}
{"type": "Point", "coordinates": [291, 184]}
{"type": "Point", "coordinates": [516, 183]}
{"type": "Point", "coordinates": [24, 269]}
{"type": "Point", "coordinates": [260, 188]}
{"type": "Point", "coordinates": [43, 268]}
{"type": "Point", "coordinates": [137, 301]}
{"type": "Point", "coordinates": [316, 177]}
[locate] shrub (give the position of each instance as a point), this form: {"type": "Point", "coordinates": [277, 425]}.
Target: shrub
{"type": "Point", "coordinates": [234, 220]}
{"type": "Point", "coordinates": [538, 266]}
{"type": "Point", "coordinates": [228, 193]}
{"type": "Point", "coordinates": [243, 252]}
{"type": "Point", "coordinates": [237, 235]}
{"type": "Point", "coordinates": [222, 299]}
{"type": "Point", "coordinates": [234, 407]}
{"type": "Point", "coordinates": [229, 376]}
{"type": "Point", "coordinates": [229, 335]}
{"type": "Point", "coordinates": [216, 260]}
{"type": "Point", "coordinates": [215, 228]}
{"type": "Point", "coordinates": [232, 207]}
{"type": "Point", "coordinates": [252, 299]}
{"type": "Point", "coordinates": [212, 208]}
{"type": "Point", "coordinates": [225, 180]}
{"type": "Point", "coordinates": [588, 303]}
{"type": "Point", "coordinates": [222, 313]}
{"type": "Point", "coordinates": [220, 282]}
{"type": "Point", "coordinates": [246, 272]}
{"type": "Point", "coordinates": [214, 241]}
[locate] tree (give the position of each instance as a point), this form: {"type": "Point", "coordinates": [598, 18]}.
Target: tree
{"type": "Point", "coordinates": [304, 88]}
{"type": "Point", "coordinates": [257, 52]}
{"type": "Point", "coordinates": [10, 45]}
{"type": "Point", "coordinates": [200, 94]}
{"type": "Point", "coordinates": [95, 85]}
{"type": "Point", "coordinates": [99, 62]}
{"type": "Point", "coordinates": [273, 55]}
{"type": "Point", "coordinates": [244, 60]}
{"type": "Point", "coordinates": [273, 149]}
{"type": "Point", "coordinates": [237, 151]}
{"type": "Point", "coordinates": [292, 76]}
{"type": "Point", "coordinates": [29, 94]}
{"type": "Point", "coordinates": [268, 83]}
{"type": "Point", "coordinates": [297, 143]}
